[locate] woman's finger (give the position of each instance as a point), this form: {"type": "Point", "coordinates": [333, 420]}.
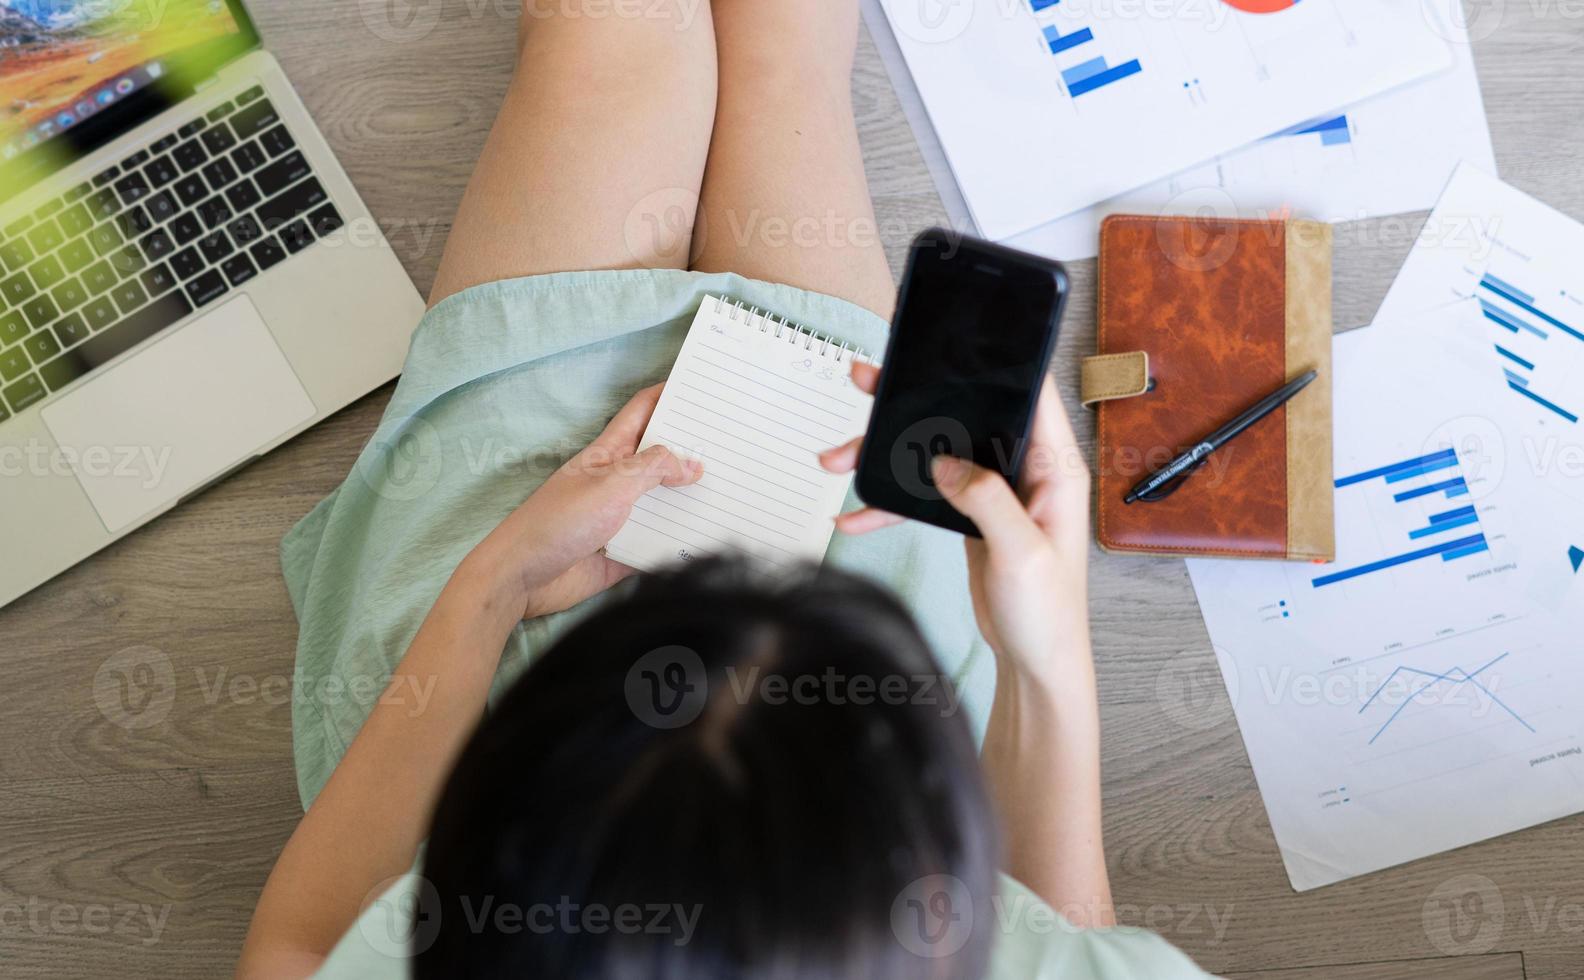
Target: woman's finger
{"type": "Point", "coordinates": [865, 376]}
{"type": "Point", "coordinates": [843, 458]}
{"type": "Point", "coordinates": [1055, 474]}
{"type": "Point", "coordinates": [656, 466]}
{"type": "Point", "coordinates": [986, 498]}
{"type": "Point", "coordinates": [866, 520]}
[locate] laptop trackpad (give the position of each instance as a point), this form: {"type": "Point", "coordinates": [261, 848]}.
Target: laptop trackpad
{"type": "Point", "coordinates": [178, 414]}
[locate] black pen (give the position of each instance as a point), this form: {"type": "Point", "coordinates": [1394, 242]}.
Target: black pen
{"type": "Point", "coordinates": [1218, 438]}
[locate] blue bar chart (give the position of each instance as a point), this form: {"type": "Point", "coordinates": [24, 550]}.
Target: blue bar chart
{"type": "Point", "coordinates": [1447, 535]}
{"type": "Point", "coordinates": [1334, 131]}
{"type": "Point", "coordinates": [1516, 311]}
{"type": "Point", "coordinates": [1094, 71]}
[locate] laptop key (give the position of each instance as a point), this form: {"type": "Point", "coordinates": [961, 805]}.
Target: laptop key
{"type": "Point", "coordinates": [162, 207]}
{"type": "Point", "coordinates": [214, 212]}
{"type": "Point", "coordinates": [12, 363]}
{"type": "Point", "coordinates": [186, 229]}
{"type": "Point", "coordinates": [40, 311]}
{"type": "Point", "coordinates": [98, 277]}
{"type": "Point", "coordinates": [191, 129]}
{"type": "Point", "coordinates": [164, 143]}
{"type": "Point", "coordinates": [186, 263]}
{"type": "Point", "coordinates": [216, 247]}
{"type": "Point", "coordinates": [49, 210]}
{"type": "Point", "coordinates": [24, 393]}
{"type": "Point", "coordinates": [268, 253]}
{"type": "Point", "coordinates": [103, 204]}
{"type": "Point", "coordinates": [239, 269]}
{"type": "Point", "coordinates": [297, 236]}
{"type": "Point", "coordinates": [219, 139]}
{"type": "Point", "coordinates": [249, 157]}
{"type": "Point", "coordinates": [158, 279]}
{"type": "Point", "coordinates": [133, 188]}
{"type": "Point", "coordinates": [77, 254]}
{"type": "Point", "coordinates": [41, 346]}
{"type": "Point", "coordinates": [157, 244]}
{"type": "Point", "coordinates": [75, 220]}
{"type": "Point", "coordinates": [71, 330]}
{"type": "Point", "coordinates": [134, 221]}
{"type": "Point", "coordinates": [137, 159]}
{"type": "Point", "coordinates": [129, 261]}
{"type": "Point", "coordinates": [109, 344]}
{"type": "Point", "coordinates": [12, 328]}
{"type": "Point", "coordinates": [47, 272]}
{"type": "Point", "coordinates": [18, 289]}
{"type": "Point", "coordinates": [277, 141]}
{"type": "Point", "coordinates": [46, 237]}
{"type": "Point", "coordinates": [130, 296]}
{"type": "Point", "coordinates": [325, 220]}
{"type": "Point", "coordinates": [100, 313]}
{"type": "Point", "coordinates": [161, 172]}
{"type": "Point", "coordinates": [245, 230]}
{"type": "Point", "coordinates": [251, 95]}
{"type": "Point", "coordinates": [106, 239]}
{"type": "Point", "coordinates": [207, 288]}
{"type": "Point", "coordinates": [190, 156]}
{"type": "Point", "coordinates": [220, 111]}
{"type": "Point", "coordinates": [220, 173]}
{"type": "Point", "coordinates": [294, 203]}
{"type": "Point", "coordinates": [17, 254]}
{"type": "Point", "coordinates": [70, 294]}
{"type": "Point", "coordinates": [62, 371]}
{"type": "Point", "coordinates": [79, 192]}
{"type": "Point", "coordinates": [283, 173]}
{"type": "Point", "coordinates": [191, 189]}
{"type": "Point", "coordinates": [243, 196]}
{"type": "Point", "coordinates": [106, 176]}
{"type": "Point", "coordinates": [254, 119]}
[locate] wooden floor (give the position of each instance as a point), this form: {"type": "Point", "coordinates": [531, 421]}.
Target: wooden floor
{"type": "Point", "coordinates": [139, 852]}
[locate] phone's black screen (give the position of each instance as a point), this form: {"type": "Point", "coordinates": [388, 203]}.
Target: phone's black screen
{"type": "Point", "coordinates": [963, 370]}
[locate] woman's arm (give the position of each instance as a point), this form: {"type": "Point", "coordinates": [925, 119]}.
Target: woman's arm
{"type": "Point", "coordinates": [366, 825]}
{"type": "Point", "coordinates": [1029, 577]}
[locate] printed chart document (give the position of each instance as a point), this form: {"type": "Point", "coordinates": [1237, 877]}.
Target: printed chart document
{"type": "Point", "coordinates": [1415, 695]}
{"type": "Point", "coordinates": [1515, 262]}
{"type": "Point", "coordinates": [1046, 107]}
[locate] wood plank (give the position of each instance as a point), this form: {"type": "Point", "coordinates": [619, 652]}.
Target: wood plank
{"type": "Point", "coordinates": [1502, 966]}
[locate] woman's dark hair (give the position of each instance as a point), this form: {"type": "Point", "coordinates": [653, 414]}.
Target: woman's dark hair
{"type": "Point", "coordinates": [717, 776]}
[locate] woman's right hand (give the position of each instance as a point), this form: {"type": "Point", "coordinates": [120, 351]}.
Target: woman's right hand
{"type": "Point", "coordinates": [1029, 573]}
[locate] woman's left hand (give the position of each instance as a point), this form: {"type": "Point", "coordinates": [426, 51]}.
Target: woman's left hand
{"type": "Point", "coordinates": [547, 554]}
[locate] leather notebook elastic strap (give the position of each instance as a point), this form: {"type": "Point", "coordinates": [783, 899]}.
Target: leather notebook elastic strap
{"type": "Point", "coordinates": [1112, 376]}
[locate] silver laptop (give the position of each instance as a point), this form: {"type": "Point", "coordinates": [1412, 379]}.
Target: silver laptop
{"type": "Point", "coordinates": [187, 277]}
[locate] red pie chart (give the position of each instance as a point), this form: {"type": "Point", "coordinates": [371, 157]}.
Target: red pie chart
{"type": "Point", "coordinates": [1260, 6]}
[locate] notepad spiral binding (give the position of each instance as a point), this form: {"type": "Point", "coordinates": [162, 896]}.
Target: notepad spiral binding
{"type": "Point", "coordinates": [794, 332]}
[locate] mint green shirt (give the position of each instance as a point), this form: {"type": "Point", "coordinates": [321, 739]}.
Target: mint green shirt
{"type": "Point", "coordinates": [502, 385]}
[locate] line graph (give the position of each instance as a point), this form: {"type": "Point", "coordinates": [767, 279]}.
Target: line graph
{"type": "Point", "coordinates": [1457, 675]}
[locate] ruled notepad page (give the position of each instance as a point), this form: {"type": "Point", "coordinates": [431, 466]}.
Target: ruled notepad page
{"type": "Point", "coordinates": [757, 400]}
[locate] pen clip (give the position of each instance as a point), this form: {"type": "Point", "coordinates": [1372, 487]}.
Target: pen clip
{"type": "Point", "coordinates": [1173, 485]}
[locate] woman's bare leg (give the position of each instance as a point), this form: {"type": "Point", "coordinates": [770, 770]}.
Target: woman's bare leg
{"type": "Point", "coordinates": [785, 196]}
{"type": "Point", "coordinates": [597, 156]}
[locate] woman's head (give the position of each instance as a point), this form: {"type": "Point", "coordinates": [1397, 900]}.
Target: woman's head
{"type": "Point", "coordinates": [713, 777]}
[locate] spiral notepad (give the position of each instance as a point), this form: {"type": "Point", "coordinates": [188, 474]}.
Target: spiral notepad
{"type": "Point", "coordinates": [756, 399]}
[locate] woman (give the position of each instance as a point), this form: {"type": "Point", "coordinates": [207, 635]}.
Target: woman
{"type": "Point", "coordinates": [708, 774]}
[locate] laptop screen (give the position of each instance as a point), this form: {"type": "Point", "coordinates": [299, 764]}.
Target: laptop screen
{"type": "Point", "coordinates": [76, 73]}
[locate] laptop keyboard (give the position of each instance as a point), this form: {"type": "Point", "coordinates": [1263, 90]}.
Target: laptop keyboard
{"type": "Point", "coordinates": [168, 230]}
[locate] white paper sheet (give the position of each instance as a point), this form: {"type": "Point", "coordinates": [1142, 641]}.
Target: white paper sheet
{"type": "Point", "coordinates": [1418, 694]}
{"type": "Point", "coordinates": [1515, 262]}
{"type": "Point", "coordinates": [1046, 107]}
{"type": "Point", "coordinates": [1401, 149]}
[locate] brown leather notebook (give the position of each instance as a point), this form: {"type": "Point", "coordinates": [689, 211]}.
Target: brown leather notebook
{"type": "Point", "coordinates": [1198, 320]}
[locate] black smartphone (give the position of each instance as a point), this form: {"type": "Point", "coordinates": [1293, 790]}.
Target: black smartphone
{"type": "Point", "coordinates": [971, 341]}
